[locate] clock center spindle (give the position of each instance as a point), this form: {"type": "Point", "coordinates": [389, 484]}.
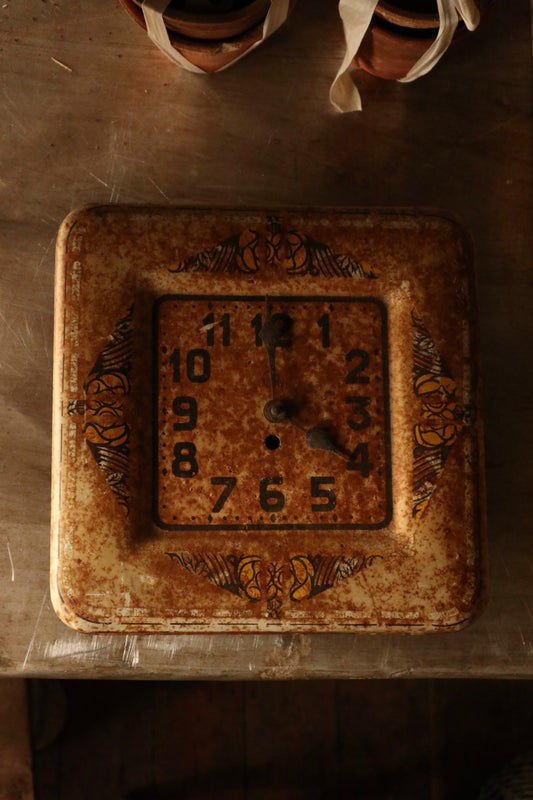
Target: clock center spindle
{"type": "Point", "coordinates": [276, 411]}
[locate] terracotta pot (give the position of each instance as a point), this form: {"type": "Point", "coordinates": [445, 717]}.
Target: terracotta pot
{"type": "Point", "coordinates": [208, 21]}
{"type": "Point", "coordinates": [399, 34]}
{"type": "Point", "coordinates": [207, 53]}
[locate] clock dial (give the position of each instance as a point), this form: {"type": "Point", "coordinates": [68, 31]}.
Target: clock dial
{"type": "Point", "coordinates": [222, 463]}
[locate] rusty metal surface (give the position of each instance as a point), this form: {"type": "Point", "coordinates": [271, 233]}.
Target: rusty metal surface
{"type": "Point", "coordinates": [117, 123]}
{"type": "Point", "coordinates": [179, 506]}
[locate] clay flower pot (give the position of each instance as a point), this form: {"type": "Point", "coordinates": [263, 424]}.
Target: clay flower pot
{"type": "Point", "coordinates": [209, 19]}
{"type": "Point", "coordinates": [208, 36]}
{"type": "Point", "coordinates": [399, 34]}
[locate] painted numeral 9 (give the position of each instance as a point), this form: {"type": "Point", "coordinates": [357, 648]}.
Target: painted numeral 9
{"type": "Point", "coordinates": [187, 409]}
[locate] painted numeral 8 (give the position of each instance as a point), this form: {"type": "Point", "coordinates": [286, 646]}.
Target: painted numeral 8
{"type": "Point", "coordinates": [185, 464]}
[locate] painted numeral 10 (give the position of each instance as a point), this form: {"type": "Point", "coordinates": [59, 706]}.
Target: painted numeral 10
{"type": "Point", "coordinates": [197, 365]}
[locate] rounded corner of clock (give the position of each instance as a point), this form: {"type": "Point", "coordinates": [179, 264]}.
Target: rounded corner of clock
{"type": "Point", "coordinates": [459, 618]}
{"type": "Point", "coordinates": [69, 612]}
{"type": "Point", "coordinates": [457, 230]}
{"type": "Point", "coordinates": [460, 624]}
{"type": "Point", "coordinates": [75, 216]}
{"type": "Point", "coordinates": [444, 216]}
{"type": "Point", "coordinates": [480, 602]}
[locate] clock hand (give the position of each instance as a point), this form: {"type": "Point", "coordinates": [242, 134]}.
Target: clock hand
{"type": "Point", "coordinates": [316, 438]}
{"type": "Point", "coordinates": [277, 410]}
{"type": "Point", "coordinates": [320, 439]}
{"type": "Point", "coordinates": [269, 333]}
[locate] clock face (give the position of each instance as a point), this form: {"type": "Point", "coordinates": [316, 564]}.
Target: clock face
{"type": "Point", "coordinates": [222, 463]}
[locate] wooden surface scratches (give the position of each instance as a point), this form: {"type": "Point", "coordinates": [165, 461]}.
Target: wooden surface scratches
{"type": "Point", "coordinates": [126, 126]}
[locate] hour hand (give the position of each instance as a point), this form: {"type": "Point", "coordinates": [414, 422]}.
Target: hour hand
{"type": "Point", "coordinates": [320, 439]}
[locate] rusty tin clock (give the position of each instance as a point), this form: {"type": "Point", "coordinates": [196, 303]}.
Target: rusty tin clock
{"type": "Point", "coordinates": [265, 422]}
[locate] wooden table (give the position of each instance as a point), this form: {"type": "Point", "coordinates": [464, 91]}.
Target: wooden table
{"type": "Point", "coordinates": [93, 113]}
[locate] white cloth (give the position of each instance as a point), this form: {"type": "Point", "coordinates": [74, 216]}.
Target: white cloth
{"type": "Point", "coordinates": [153, 11]}
{"type": "Point", "coordinates": [356, 16]}
{"type": "Point", "coordinates": [449, 13]}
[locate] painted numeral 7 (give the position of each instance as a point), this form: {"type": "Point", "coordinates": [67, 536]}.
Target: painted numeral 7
{"type": "Point", "coordinates": [229, 486]}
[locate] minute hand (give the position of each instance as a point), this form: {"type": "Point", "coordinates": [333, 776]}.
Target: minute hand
{"type": "Point", "coordinates": [270, 336]}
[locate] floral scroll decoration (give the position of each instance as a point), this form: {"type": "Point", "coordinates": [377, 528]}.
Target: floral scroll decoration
{"type": "Point", "coordinates": [106, 431]}
{"type": "Point", "coordinates": [249, 250]}
{"type": "Point", "coordinates": [441, 416]}
{"type": "Point", "coordinates": [312, 575]}
{"type": "Point", "coordinates": [236, 574]}
{"type": "Point", "coordinates": [241, 575]}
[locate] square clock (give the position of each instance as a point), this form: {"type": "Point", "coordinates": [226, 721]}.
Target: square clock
{"type": "Point", "coordinates": [265, 422]}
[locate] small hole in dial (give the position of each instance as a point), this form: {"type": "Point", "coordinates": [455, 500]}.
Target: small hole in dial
{"type": "Point", "coordinates": [272, 442]}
